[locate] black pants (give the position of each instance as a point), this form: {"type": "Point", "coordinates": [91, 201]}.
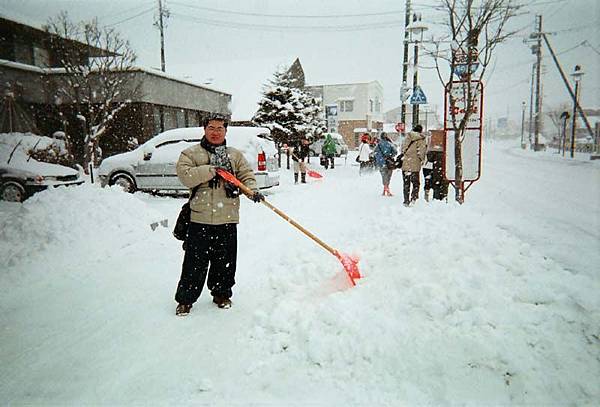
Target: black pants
{"type": "Point", "coordinates": [329, 161]}
{"type": "Point", "coordinates": [410, 178]}
{"type": "Point", "coordinates": [213, 246]}
{"type": "Point", "coordinates": [428, 175]}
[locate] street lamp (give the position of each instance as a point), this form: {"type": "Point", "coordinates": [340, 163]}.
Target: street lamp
{"type": "Point", "coordinates": [522, 124]}
{"type": "Point", "coordinates": [577, 75]}
{"type": "Point", "coordinates": [416, 30]}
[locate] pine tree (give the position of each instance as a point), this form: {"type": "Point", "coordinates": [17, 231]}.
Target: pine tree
{"type": "Point", "coordinates": [289, 112]}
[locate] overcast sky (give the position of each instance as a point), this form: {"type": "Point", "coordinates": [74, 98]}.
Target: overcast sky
{"type": "Point", "coordinates": [236, 45]}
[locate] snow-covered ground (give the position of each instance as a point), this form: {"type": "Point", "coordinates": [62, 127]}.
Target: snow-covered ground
{"type": "Point", "coordinates": [495, 302]}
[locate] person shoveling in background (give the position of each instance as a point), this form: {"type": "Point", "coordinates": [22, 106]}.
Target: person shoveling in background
{"type": "Point", "coordinates": [211, 242]}
{"type": "Point", "coordinates": [300, 154]}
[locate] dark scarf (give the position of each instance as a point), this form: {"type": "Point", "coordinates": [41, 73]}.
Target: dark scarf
{"type": "Point", "coordinates": [219, 158]}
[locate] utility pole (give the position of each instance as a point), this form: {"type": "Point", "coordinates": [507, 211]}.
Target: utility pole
{"type": "Point", "coordinates": [568, 86]}
{"type": "Point", "coordinates": [162, 36]}
{"type": "Point", "coordinates": [522, 124]}
{"type": "Point", "coordinates": [405, 62]}
{"type": "Point", "coordinates": [538, 68]}
{"type": "Point", "coordinates": [415, 109]}
{"type": "Point", "coordinates": [530, 127]}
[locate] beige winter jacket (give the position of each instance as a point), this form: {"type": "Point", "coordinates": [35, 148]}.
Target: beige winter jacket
{"type": "Point", "coordinates": [414, 153]}
{"type": "Point", "coordinates": [211, 205]}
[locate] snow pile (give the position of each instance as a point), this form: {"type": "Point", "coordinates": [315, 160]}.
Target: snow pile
{"type": "Point", "coordinates": [434, 316]}
{"type": "Point", "coordinates": [77, 221]}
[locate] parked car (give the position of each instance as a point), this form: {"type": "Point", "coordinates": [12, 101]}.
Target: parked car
{"type": "Point", "coordinates": [21, 179]}
{"type": "Point", "coordinates": [340, 145]}
{"type": "Point", "coordinates": [151, 166]}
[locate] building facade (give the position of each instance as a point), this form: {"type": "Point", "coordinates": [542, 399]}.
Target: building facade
{"type": "Point", "coordinates": [351, 106]}
{"type": "Point", "coordinates": [30, 74]}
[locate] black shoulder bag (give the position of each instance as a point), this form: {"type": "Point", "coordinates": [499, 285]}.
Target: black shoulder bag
{"type": "Point", "coordinates": [183, 220]}
{"type": "Point", "coordinates": [401, 156]}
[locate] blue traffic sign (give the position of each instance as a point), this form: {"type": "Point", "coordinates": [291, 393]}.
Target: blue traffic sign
{"type": "Point", "coordinates": [418, 97]}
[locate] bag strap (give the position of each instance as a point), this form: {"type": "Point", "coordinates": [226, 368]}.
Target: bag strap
{"type": "Point", "coordinates": [194, 190]}
{"type": "Point", "coordinates": [407, 147]}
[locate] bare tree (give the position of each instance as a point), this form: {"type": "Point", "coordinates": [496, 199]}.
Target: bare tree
{"type": "Point", "coordinates": [97, 77]}
{"type": "Point", "coordinates": [557, 116]}
{"type": "Point", "coordinates": [476, 28]}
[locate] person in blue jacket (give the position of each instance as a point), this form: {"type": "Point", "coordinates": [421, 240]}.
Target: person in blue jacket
{"type": "Point", "coordinates": [385, 154]}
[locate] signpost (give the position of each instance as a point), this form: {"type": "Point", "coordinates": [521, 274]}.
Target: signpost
{"type": "Point", "coordinates": [418, 97]}
{"type": "Point", "coordinates": [456, 106]}
{"type": "Point", "coordinates": [331, 118]}
{"type": "Point", "coordinates": [461, 62]}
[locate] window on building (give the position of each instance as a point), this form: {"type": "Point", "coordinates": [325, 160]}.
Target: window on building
{"type": "Point", "coordinates": [41, 57]}
{"type": "Point", "coordinates": [156, 116]}
{"type": "Point", "coordinates": [377, 105]}
{"type": "Point", "coordinates": [193, 119]}
{"type": "Point", "coordinates": [371, 105]}
{"type": "Point", "coordinates": [180, 118]}
{"type": "Point", "coordinates": [170, 118]}
{"type": "Point", "coordinates": [346, 105]}
{"type": "Point", "coordinates": [23, 53]}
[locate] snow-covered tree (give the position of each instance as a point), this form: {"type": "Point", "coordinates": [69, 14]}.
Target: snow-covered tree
{"type": "Point", "coordinates": [100, 85]}
{"type": "Point", "coordinates": [289, 112]}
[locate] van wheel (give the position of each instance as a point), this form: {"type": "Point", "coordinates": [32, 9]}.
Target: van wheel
{"type": "Point", "coordinates": [124, 181]}
{"type": "Point", "coordinates": [12, 191]}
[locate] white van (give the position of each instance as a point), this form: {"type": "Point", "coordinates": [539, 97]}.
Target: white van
{"type": "Point", "coordinates": [151, 166]}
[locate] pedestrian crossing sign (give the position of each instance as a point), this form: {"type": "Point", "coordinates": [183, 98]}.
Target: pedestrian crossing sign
{"type": "Point", "coordinates": [418, 96]}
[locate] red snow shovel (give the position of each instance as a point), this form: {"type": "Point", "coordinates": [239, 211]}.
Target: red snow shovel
{"type": "Point", "coordinates": [350, 263]}
{"type": "Point", "coordinates": [311, 173]}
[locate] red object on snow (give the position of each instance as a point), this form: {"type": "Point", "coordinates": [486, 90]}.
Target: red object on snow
{"type": "Point", "coordinates": [313, 173]}
{"type": "Point", "coordinates": [350, 263]}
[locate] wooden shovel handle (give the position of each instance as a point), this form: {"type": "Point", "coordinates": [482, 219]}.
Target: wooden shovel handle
{"type": "Point", "coordinates": [249, 193]}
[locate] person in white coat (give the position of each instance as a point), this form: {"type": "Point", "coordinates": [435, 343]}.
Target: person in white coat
{"type": "Point", "coordinates": [364, 154]}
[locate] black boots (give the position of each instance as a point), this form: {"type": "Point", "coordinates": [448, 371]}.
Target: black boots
{"type": "Point", "coordinates": [303, 178]}
{"type": "Point", "coordinates": [222, 302]}
{"type": "Point", "coordinates": [182, 310]}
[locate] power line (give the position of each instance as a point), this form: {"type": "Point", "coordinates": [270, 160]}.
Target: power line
{"type": "Point", "coordinates": [242, 13]}
{"type": "Point", "coordinates": [132, 17]}
{"type": "Point", "coordinates": [586, 43]}
{"type": "Point", "coordinates": [264, 27]}
{"type": "Point", "coordinates": [119, 13]}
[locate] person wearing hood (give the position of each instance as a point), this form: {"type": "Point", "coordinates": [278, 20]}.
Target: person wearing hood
{"type": "Point", "coordinates": [211, 241]}
{"type": "Point", "coordinates": [414, 149]}
{"type": "Point", "coordinates": [385, 154]}
{"type": "Point", "coordinates": [329, 151]}
{"type": "Point", "coordinates": [364, 154]}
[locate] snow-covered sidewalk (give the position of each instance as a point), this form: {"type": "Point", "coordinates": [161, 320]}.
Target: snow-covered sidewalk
{"type": "Point", "coordinates": [492, 302]}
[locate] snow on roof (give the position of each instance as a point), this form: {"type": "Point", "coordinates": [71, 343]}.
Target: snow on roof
{"type": "Point", "coordinates": [176, 78]}
{"type": "Point", "coordinates": [24, 67]}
